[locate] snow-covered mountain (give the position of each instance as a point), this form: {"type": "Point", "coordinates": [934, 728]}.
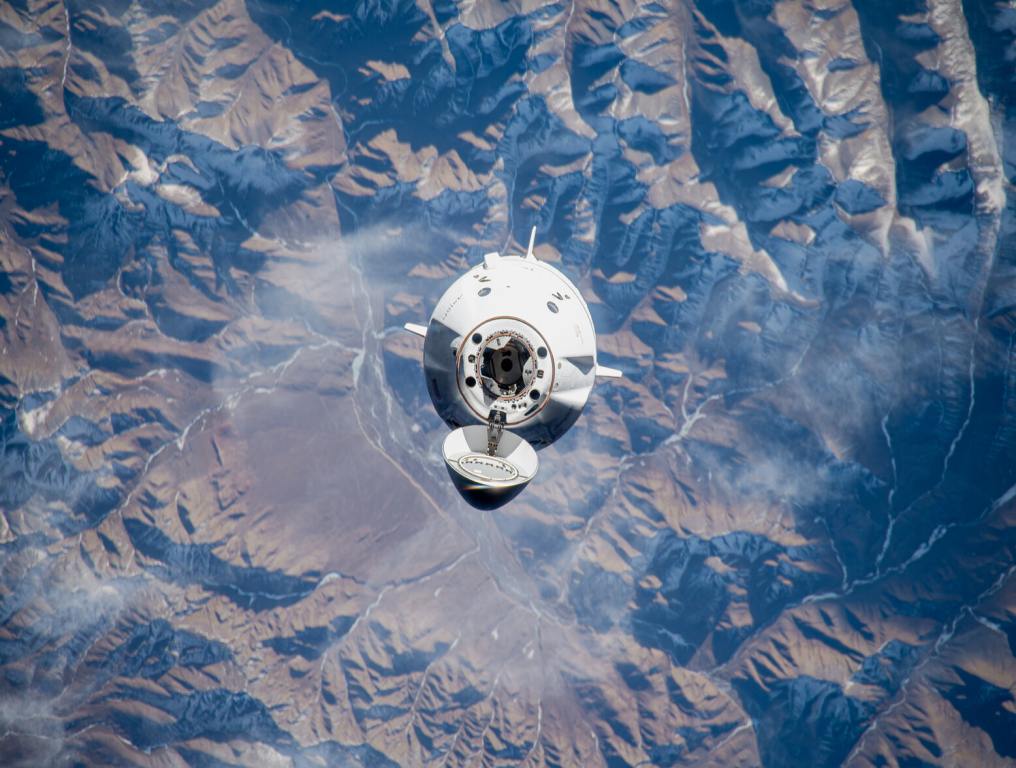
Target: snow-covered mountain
{"type": "Point", "coordinates": [785, 538]}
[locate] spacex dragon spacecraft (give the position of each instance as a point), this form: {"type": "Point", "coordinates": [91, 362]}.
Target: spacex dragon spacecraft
{"type": "Point", "coordinates": [510, 360]}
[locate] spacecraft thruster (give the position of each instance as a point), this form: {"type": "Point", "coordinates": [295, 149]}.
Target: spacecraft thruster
{"type": "Point", "coordinates": [510, 359]}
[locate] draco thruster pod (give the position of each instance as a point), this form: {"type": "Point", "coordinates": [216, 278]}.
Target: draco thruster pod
{"type": "Point", "coordinates": [510, 360]}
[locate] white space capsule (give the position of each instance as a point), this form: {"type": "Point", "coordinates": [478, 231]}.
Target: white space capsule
{"type": "Point", "coordinates": [510, 359]}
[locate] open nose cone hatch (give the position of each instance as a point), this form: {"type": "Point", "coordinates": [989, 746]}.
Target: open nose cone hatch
{"type": "Point", "coordinates": [488, 480]}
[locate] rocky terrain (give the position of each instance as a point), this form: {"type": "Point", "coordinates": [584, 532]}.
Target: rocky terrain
{"type": "Point", "coordinates": [785, 538]}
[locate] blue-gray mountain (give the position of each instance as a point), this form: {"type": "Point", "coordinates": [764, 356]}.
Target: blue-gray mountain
{"type": "Point", "coordinates": [785, 538]}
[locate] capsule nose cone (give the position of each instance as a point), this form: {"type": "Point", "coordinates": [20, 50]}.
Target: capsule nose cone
{"type": "Point", "coordinates": [484, 481]}
{"type": "Point", "coordinates": [483, 496]}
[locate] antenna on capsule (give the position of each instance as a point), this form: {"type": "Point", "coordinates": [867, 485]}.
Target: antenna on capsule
{"type": "Point", "coordinates": [532, 242]}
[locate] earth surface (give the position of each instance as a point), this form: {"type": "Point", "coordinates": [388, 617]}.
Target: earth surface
{"type": "Point", "coordinates": [785, 538]}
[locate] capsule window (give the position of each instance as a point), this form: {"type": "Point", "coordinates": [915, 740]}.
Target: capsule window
{"type": "Point", "coordinates": [552, 307]}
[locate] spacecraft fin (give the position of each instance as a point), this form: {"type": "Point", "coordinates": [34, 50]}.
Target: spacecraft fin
{"type": "Point", "coordinates": [532, 244]}
{"type": "Point", "coordinates": [419, 330]}
{"type": "Point", "coordinates": [488, 480]}
{"type": "Point", "coordinates": [608, 373]}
